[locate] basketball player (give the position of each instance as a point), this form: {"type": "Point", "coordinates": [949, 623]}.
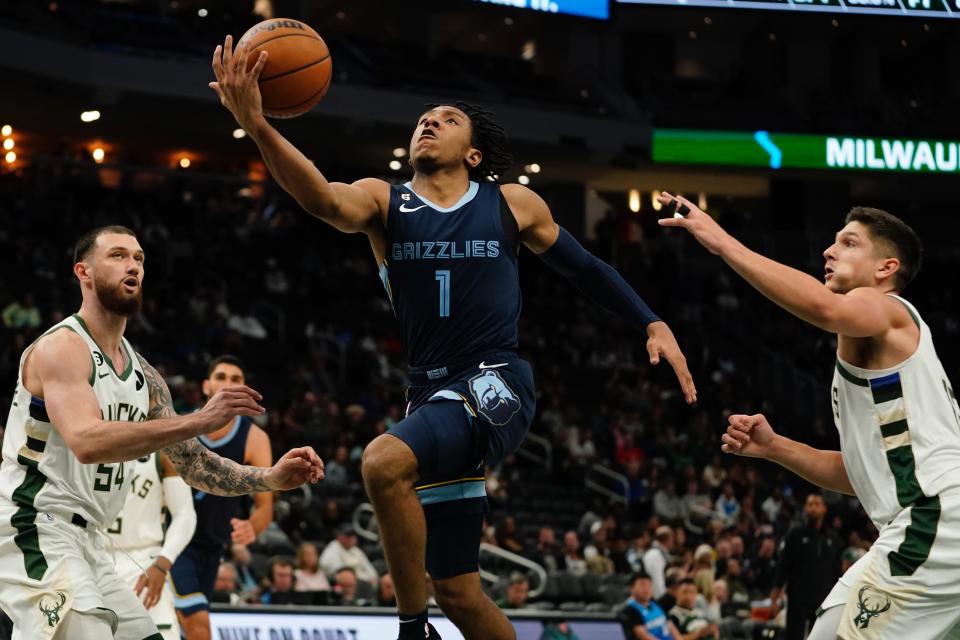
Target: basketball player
{"type": "Point", "coordinates": [85, 403]}
{"type": "Point", "coordinates": [143, 552]}
{"type": "Point", "coordinates": [897, 415]}
{"type": "Point", "coordinates": [195, 572]}
{"type": "Point", "coordinates": [446, 244]}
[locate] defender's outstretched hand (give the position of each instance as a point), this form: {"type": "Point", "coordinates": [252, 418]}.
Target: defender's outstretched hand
{"type": "Point", "coordinates": [704, 228]}
{"type": "Point", "coordinates": [296, 467]}
{"type": "Point", "coordinates": [661, 342]}
{"type": "Point", "coordinates": [236, 85]}
{"type": "Point", "coordinates": [750, 436]}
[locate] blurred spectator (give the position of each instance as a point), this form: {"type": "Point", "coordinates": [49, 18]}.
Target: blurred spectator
{"type": "Point", "coordinates": [308, 574]}
{"type": "Point", "coordinates": [691, 623]}
{"type": "Point", "coordinates": [634, 555]}
{"type": "Point", "coordinates": [714, 473]}
{"type": "Point", "coordinates": [547, 552]}
{"type": "Point", "coordinates": [727, 507]}
{"type": "Point", "coordinates": [344, 552]}
{"type": "Point", "coordinates": [808, 568]}
{"type": "Point", "coordinates": [506, 535]}
{"type": "Point", "coordinates": [281, 581]}
{"type": "Point", "coordinates": [345, 580]}
{"type": "Point", "coordinates": [761, 568]}
{"type": "Point", "coordinates": [386, 595]}
{"type": "Point", "coordinates": [739, 594]}
{"type": "Point", "coordinates": [656, 559]}
{"type": "Point", "coordinates": [855, 550]}
{"type": "Point", "coordinates": [518, 588]}
{"type": "Point", "coordinates": [666, 504]}
{"type": "Point", "coordinates": [336, 471]}
{"type": "Point", "coordinates": [672, 580]}
{"type": "Point", "coordinates": [642, 618]}
{"type": "Point", "coordinates": [696, 508]}
{"type": "Point", "coordinates": [572, 558]}
{"type": "Point", "coordinates": [242, 559]}
{"type": "Point", "coordinates": [773, 504]}
{"type": "Point", "coordinates": [21, 314]}
{"type": "Point", "coordinates": [225, 586]}
{"type": "Point", "coordinates": [598, 553]}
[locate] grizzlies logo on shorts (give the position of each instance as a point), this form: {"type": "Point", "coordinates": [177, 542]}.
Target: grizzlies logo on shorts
{"type": "Point", "coordinates": [496, 401]}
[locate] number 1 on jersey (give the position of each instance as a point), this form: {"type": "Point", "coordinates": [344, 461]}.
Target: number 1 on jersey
{"type": "Point", "coordinates": [443, 277]}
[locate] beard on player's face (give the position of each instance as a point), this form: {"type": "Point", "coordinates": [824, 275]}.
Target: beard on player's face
{"type": "Point", "coordinates": [115, 299]}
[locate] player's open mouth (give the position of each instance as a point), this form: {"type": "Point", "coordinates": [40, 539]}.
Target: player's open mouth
{"type": "Point", "coordinates": [827, 273]}
{"type": "Point", "coordinates": [427, 134]}
{"type": "Point", "coordinates": [133, 283]}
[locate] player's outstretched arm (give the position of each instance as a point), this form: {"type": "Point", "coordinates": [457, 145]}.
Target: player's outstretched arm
{"type": "Point", "coordinates": [59, 370]}
{"type": "Point", "coordinates": [348, 207]}
{"type": "Point", "coordinates": [205, 470]}
{"type": "Point", "coordinates": [752, 436]}
{"type": "Point", "coordinates": [594, 278]}
{"type": "Point", "coordinates": [861, 313]}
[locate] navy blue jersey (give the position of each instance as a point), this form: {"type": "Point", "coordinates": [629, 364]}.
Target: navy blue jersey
{"type": "Point", "coordinates": [451, 274]}
{"type": "Point", "coordinates": [214, 512]}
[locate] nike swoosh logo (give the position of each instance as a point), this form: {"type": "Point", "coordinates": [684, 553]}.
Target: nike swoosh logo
{"type": "Point", "coordinates": [484, 365]}
{"type": "Point", "coordinates": [404, 208]}
{"type": "Point", "coordinates": [104, 375]}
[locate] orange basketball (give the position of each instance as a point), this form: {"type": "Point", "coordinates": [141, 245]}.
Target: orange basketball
{"type": "Point", "coordinates": [298, 69]}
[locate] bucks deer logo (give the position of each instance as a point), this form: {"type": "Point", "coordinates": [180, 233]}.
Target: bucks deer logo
{"type": "Point", "coordinates": [53, 611]}
{"type": "Point", "coordinates": [870, 606]}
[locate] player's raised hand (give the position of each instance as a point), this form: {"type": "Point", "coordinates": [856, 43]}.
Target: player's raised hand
{"type": "Point", "coordinates": [230, 402]}
{"type": "Point", "coordinates": [236, 82]}
{"type": "Point", "coordinates": [701, 226]}
{"type": "Point", "coordinates": [661, 342]}
{"type": "Point", "coordinates": [296, 467]}
{"type": "Point", "coordinates": [750, 436]}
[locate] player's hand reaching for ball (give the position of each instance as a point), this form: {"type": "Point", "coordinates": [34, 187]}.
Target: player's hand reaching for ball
{"type": "Point", "coordinates": [236, 83]}
{"type": "Point", "coordinates": [701, 226]}
{"type": "Point", "coordinates": [750, 436]}
{"type": "Point", "coordinates": [228, 403]}
{"type": "Point", "coordinates": [296, 467]}
{"type": "Point", "coordinates": [661, 342]}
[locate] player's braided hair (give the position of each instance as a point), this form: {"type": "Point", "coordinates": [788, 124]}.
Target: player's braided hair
{"type": "Point", "coordinates": [489, 137]}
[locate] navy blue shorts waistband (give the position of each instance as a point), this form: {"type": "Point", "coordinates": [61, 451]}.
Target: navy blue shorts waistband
{"type": "Point", "coordinates": [437, 373]}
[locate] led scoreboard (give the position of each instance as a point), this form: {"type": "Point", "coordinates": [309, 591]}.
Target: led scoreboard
{"type": "Point", "coordinates": [921, 8]}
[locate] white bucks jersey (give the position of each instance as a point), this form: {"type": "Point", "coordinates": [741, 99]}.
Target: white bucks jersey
{"type": "Point", "coordinates": [40, 473]}
{"type": "Point", "coordinates": [899, 432]}
{"type": "Point", "coordinates": [140, 522]}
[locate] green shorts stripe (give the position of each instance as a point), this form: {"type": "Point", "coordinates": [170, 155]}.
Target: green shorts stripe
{"type": "Point", "coordinates": [921, 532]}
{"type": "Point", "coordinates": [24, 520]}
{"type": "Point", "coordinates": [155, 636]}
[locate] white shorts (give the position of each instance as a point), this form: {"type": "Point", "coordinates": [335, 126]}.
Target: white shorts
{"type": "Point", "coordinates": [907, 587]}
{"type": "Point", "coordinates": [50, 566]}
{"type": "Point", "coordinates": [130, 566]}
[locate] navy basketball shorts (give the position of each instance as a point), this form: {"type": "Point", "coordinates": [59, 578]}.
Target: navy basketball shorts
{"type": "Point", "coordinates": [460, 418]}
{"type": "Point", "coordinates": [193, 576]}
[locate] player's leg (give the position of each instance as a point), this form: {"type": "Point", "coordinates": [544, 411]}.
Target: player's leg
{"type": "Point", "coordinates": [188, 595]}
{"type": "Point", "coordinates": [453, 546]}
{"type": "Point", "coordinates": [89, 625]}
{"type": "Point", "coordinates": [119, 599]}
{"type": "Point", "coordinates": [390, 470]}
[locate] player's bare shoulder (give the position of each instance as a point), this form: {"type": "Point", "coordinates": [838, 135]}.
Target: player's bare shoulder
{"type": "Point", "coordinates": [62, 350]}
{"type": "Point", "coordinates": [538, 231]}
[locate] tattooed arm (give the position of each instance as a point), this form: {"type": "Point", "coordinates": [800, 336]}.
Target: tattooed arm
{"type": "Point", "coordinates": [205, 470]}
{"type": "Point", "coordinates": [59, 369]}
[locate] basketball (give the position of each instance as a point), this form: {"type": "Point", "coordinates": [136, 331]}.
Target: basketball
{"type": "Point", "coordinates": [298, 69]}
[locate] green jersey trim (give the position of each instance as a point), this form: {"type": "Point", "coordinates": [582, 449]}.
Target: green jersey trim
{"type": "Point", "coordinates": [126, 372]}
